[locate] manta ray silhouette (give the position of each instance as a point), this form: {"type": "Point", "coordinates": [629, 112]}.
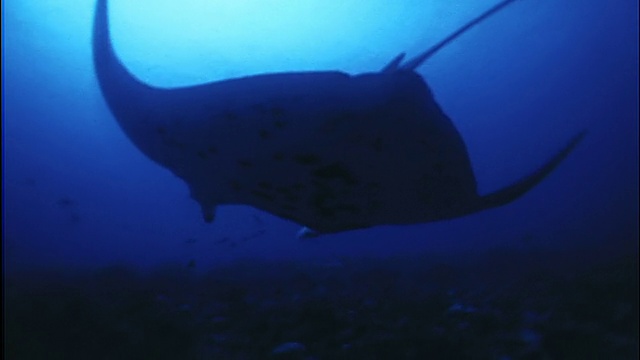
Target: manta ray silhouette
{"type": "Point", "coordinates": [327, 150]}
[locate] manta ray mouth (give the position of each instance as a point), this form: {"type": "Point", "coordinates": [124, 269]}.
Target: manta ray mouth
{"type": "Point", "coordinates": [328, 150]}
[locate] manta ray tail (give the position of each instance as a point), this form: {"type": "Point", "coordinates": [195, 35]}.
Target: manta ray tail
{"type": "Point", "coordinates": [514, 191]}
{"type": "Point", "coordinates": [420, 59]}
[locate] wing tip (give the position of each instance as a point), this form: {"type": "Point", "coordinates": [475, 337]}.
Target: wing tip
{"type": "Point", "coordinates": [522, 186]}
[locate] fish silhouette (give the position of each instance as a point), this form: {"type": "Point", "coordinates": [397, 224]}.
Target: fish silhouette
{"type": "Point", "coordinates": [328, 150]}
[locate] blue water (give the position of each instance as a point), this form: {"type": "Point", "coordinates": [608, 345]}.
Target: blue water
{"type": "Point", "coordinates": [78, 193]}
{"type": "Point", "coordinates": [107, 256]}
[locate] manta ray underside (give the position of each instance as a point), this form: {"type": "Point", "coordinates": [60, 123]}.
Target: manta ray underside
{"type": "Point", "coordinates": [327, 150]}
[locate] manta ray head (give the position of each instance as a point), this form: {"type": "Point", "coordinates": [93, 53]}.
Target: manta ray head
{"type": "Point", "coordinates": [327, 150]}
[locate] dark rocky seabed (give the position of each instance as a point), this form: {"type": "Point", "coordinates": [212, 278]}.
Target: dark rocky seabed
{"type": "Point", "coordinates": [501, 305]}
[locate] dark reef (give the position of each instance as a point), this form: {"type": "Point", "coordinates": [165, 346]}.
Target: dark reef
{"type": "Point", "coordinates": [507, 305]}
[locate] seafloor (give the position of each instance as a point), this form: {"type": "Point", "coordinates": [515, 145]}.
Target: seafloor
{"type": "Point", "coordinates": [501, 305]}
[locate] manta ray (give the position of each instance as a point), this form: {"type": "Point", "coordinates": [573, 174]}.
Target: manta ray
{"type": "Point", "coordinates": [327, 150]}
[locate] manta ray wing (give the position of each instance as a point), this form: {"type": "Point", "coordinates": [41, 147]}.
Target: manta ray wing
{"type": "Point", "coordinates": [328, 150]}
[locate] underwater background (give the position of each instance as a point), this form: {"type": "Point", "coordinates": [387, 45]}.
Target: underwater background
{"type": "Point", "coordinates": [97, 235]}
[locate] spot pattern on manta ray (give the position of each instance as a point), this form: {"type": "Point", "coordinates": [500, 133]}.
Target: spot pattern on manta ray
{"type": "Point", "coordinates": [261, 109]}
{"type": "Point", "coordinates": [228, 115]}
{"type": "Point", "coordinates": [265, 185]}
{"type": "Point", "coordinates": [202, 155]}
{"type": "Point", "coordinates": [296, 172]}
{"type": "Point", "coordinates": [438, 167]}
{"type": "Point", "coordinates": [167, 140]}
{"type": "Point", "coordinates": [172, 143]}
{"type": "Point", "coordinates": [269, 110]}
{"type": "Point", "coordinates": [335, 122]}
{"type": "Point", "coordinates": [288, 194]}
{"type": "Point", "coordinates": [374, 186]}
{"type": "Point", "coordinates": [289, 208]}
{"type": "Point", "coordinates": [335, 171]}
{"type": "Point", "coordinates": [327, 204]}
{"type": "Point", "coordinates": [377, 145]}
{"type": "Point", "coordinates": [262, 194]}
{"type": "Point", "coordinates": [425, 197]}
{"type": "Point", "coordinates": [277, 111]}
{"type": "Point", "coordinates": [292, 198]}
{"type": "Point", "coordinates": [264, 134]}
{"type": "Point", "coordinates": [333, 183]}
{"type": "Point", "coordinates": [280, 124]}
{"type": "Point", "coordinates": [307, 159]}
{"type": "Point", "coordinates": [235, 185]}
